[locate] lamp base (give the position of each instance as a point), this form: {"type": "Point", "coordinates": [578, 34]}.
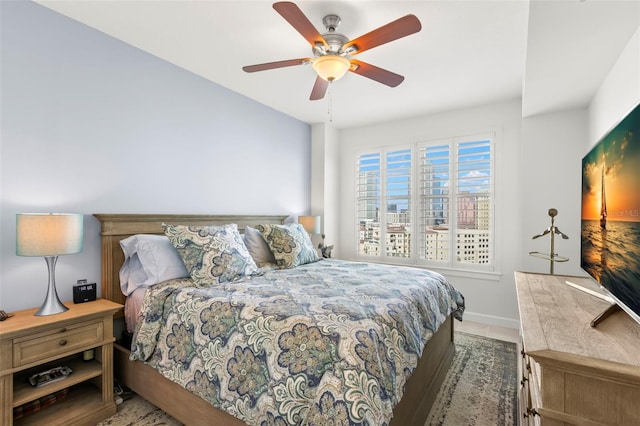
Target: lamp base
{"type": "Point", "coordinates": [52, 304]}
{"type": "Point", "coordinates": [51, 307]}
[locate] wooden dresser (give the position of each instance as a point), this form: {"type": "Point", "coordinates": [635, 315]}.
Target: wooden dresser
{"type": "Point", "coordinates": [30, 344]}
{"type": "Point", "coordinates": [573, 373]}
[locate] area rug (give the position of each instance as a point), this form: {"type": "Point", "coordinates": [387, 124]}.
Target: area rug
{"type": "Point", "coordinates": [481, 387]}
{"type": "Point", "coordinates": [479, 390]}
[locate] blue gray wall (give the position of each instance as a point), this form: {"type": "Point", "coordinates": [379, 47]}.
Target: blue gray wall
{"type": "Point", "coordinates": [90, 124]}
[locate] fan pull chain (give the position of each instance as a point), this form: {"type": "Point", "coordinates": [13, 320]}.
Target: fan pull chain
{"type": "Point", "coordinates": [330, 104]}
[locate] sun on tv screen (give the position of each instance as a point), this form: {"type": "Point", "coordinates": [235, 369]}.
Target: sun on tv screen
{"type": "Point", "coordinates": [610, 231]}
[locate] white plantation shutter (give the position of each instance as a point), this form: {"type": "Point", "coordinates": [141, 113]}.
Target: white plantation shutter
{"type": "Point", "coordinates": [368, 193]}
{"type": "Point", "coordinates": [435, 173]}
{"type": "Point", "coordinates": [398, 190]}
{"type": "Point", "coordinates": [474, 187]}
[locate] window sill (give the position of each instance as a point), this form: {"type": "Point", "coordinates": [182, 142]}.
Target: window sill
{"type": "Point", "coordinates": [465, 273]}
{"type": "Point", "coordinates": [452, 272]}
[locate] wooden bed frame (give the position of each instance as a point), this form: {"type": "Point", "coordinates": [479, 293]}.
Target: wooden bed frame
{"type": "Point", "coordinates": [420, 391]}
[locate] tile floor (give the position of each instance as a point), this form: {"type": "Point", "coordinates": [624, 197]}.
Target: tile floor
{"type": "Point", "coordinates": [487, 330]}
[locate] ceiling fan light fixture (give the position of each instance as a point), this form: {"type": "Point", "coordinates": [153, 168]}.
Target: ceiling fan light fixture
{"type": "Point", "coordinates": [331, 67]}
{"type": "Point", "coordinates": [332, 51]}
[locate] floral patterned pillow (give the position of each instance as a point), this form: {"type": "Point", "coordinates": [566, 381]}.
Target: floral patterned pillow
{"type": "Point", "coordinates": [212, 254]}
{"type": "Point", "coordinates": [290, 244]}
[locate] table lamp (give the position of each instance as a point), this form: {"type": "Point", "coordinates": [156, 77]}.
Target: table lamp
{"type": "Point", "coordinates": [49, 235]}
{"type": "Point", "coordinates": [311, 224]}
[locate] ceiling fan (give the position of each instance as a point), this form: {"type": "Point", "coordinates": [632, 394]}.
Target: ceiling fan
{"type": "Point", "coordinates": [332, 51]}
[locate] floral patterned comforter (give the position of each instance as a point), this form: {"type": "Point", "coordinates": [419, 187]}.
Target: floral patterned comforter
{"type": "Point", "coordinates": [331, 340]}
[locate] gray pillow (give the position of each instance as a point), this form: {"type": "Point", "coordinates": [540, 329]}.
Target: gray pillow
{"type": "Point", "coordinates": [257, 246]}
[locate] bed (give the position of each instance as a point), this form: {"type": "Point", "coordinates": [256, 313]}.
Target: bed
{"type": "Point", "coordinates": [418, 392]}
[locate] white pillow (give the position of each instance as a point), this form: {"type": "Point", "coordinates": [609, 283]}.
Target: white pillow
{"type": "Point", "coordinates": [149, 260]}
{"type": "Point", "coordinates": [257, 246]}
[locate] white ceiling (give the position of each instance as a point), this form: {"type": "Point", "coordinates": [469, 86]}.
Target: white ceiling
{"type": "Point", "coordinates": [571, 47]}
{"type": "Point", "coordinates": [468, 52]}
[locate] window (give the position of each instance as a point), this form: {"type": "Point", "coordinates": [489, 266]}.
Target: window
{"type": "Point", "coordinates": [451, 224]}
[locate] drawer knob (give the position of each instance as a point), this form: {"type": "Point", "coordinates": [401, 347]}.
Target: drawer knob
{"type": "Point", "coordinates": [62, 342]}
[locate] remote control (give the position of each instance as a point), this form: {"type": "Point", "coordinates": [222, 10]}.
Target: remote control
{"type": "Point", "coordinates": [50, 376]}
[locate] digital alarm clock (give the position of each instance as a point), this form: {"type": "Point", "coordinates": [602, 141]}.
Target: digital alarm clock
{"type": "Point", "coordinates": [84, 292]}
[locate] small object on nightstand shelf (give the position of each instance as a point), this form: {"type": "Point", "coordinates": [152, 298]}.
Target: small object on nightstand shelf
{"type": "Point", "coordinates": [41, 403]}
{"type": "Point", "coordinates": [88, 355]}
{"type": "Point", "coordinates": [50, 376]}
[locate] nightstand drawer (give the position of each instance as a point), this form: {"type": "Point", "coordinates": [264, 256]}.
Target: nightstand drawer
{"type": "Point", "coordinates": [47, 344]}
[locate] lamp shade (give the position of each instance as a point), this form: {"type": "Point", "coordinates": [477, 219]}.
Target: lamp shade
{"type": "Point", "coordinates": [48, 234]}
{"type": "Point", "coordinates": [311, 224]}
{"type": "Point", "coordinates": [331, 67]}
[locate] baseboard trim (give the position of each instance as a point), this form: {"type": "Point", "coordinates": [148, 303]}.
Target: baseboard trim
{"type": "Point", "coordinates": [492, 320]}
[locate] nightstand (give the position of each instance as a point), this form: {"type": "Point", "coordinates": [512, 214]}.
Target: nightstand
{"type": "Point", "coordinates": [30, 344]}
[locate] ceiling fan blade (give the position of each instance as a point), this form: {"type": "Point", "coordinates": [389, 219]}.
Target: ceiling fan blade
{"type": "Point", "coordinates": [375, 73]}
{"type": "Point", "coordinates": [399, 28]}
{"type": "Point", "coordinates": [277, 64]}
{"type": "Point", "coordinates": [319, 89]}
{"type": "Point", "coordinates": [294, 16]}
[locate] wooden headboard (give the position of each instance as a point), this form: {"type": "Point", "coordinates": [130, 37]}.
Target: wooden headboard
{"type": "Point", "coordinates": [116, 227]}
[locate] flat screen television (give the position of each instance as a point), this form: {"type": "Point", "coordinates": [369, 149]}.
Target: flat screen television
{"type": "Point", "coordinates": [610, 230]}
